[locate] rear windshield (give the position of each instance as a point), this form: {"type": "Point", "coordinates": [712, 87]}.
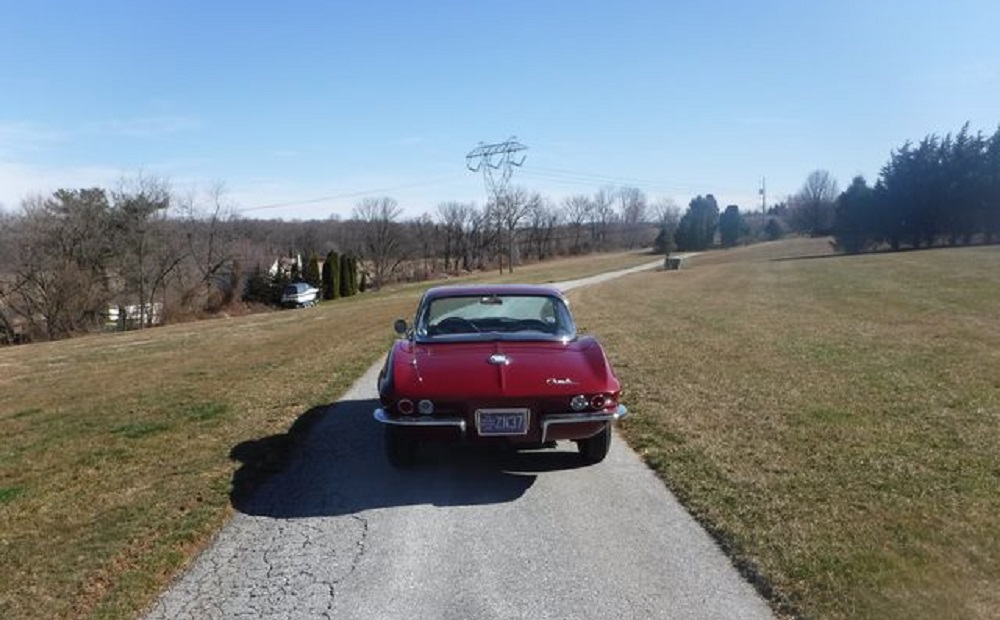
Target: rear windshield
{"type": "Point", "coordinates": [505, 317]}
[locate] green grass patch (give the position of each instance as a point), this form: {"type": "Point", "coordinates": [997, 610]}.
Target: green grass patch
{"type": "Point", "coordinates": [205, 411]}
{"type": "Point", "coordinates": [134, 430]}
{"type": "Point", "coordinates": [9, 494]}
{"type": "Point", "coordinates": [835, 422]}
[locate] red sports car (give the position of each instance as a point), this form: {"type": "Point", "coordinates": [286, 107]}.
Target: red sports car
{"type": "Point", "coordinates": [496, 364]}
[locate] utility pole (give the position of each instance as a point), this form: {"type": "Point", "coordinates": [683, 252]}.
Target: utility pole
{"type": "Point", "coordinates": [763, 203]}
{"type": "Point", "coordinates": [497, 163]}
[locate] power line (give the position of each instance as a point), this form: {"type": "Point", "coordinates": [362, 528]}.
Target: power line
{"type": "Point", "coordinates": [497, 164]}
{"type": "Point", "coordinates": [354, 194]}
{"type": "Point", "coordinates": [592, 180]}
{"type": "Point", "coordinates": [589, 179]}
{"type": "Point", "coordinates": [591, 176]}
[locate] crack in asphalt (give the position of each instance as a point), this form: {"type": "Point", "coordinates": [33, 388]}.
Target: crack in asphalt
{"type": "Point", "coordinates": [265, 567]}
{"type": "Point", "coordinates": [360, 545]}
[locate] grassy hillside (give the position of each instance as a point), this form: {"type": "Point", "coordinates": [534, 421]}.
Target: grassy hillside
{"type": "Point", "coordinates": [835, 421]}
{"type": "Point", "coordinates": [114, 449]}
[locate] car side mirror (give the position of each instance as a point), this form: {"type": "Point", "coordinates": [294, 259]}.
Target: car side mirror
{"type": "Point", "coordinates": [400, 326]}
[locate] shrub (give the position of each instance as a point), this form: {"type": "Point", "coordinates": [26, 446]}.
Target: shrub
{"type": "Point", "coordinates": [774, 230]}
{"type": "Point", "coordinates": [259, 286]}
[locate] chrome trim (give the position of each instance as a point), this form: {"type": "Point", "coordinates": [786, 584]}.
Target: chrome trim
{"type": "Point", "coordinates": [577, 418]}
{"type": "Point", "coordinates": [381, 415]}
{"type": "Point", "coordinates": [499, 359]}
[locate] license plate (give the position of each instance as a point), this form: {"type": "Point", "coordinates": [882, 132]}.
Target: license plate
{"type": "Point", "coordinates": [502, 421]}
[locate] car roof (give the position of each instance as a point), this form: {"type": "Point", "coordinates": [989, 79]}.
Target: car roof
{"type": "Point", "coordinates": [474, 290]}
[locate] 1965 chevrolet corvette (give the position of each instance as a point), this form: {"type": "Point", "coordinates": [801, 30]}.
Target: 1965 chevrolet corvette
{"type": "Point", "coordinates": [496, 364]}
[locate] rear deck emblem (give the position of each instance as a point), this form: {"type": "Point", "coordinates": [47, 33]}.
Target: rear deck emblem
{"type": "Point", "coordinates": [557, 381]}
{"type": "Point", "coordinates": [499, 359]}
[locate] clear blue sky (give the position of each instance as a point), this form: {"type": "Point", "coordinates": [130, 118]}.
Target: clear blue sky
{"type": "Point", "coordinates": [295, 101]}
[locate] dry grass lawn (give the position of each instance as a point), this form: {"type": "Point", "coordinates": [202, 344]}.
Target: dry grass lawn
{"type": "Point", "coordinates": [835, 421]}
{"type": "Point", "coordinates": [114, 449]}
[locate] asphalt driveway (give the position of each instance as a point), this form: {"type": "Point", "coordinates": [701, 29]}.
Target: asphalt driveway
{"type": "Point", "coordinates": [337, 533]}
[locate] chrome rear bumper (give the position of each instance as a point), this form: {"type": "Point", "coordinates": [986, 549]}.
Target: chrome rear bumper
{"type": "Point", "coordinates": [547, 420]}
{"type": "Point", "coordinates": [577, 418]}
{"type": "Point", "coordinates": [383, 416]}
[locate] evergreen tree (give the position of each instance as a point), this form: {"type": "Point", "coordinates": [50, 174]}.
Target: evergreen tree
{"type": "Point", "coordinates": [730, 226]}
{"type": "Point", "coordinates": [345, 276]}
{"type": "Point", "coordinates": [331, 276]}
{"type": "Point", "coordinates": [311, 272]}
{"type": "Point", "coordinates": [353, 275]}
{"type": "Point", "coordinates": [696, 230]}
{"type": "Point", "coordinates": [664, 242]}
{"type": "Point", "coordinates": [773, 229]}
{"type": "Point", "coordinates": [853, 224]}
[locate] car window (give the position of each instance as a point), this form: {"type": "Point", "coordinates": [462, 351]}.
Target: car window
{"type": "Point", "coordinates": [530, 316]}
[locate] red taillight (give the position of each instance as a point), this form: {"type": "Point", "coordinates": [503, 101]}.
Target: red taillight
{"type": "Point", "coordinates": [602, 401]}
{"type": "Point", "coordinates": [405, 406]}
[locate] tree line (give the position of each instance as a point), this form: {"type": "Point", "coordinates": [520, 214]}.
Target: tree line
{"type": "Point", "coordinates": [941, 191]}
{"type": "Point", "coordinates": [69, 259]}
{"type": "Point", "coordinates": [144, 253]}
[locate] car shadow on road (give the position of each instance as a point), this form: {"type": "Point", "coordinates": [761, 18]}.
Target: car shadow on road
{"type": "Point", "coordinates": [331, 462]}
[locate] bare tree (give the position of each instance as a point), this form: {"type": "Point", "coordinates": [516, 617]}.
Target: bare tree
{"type": "Point", "coordinates": [603, 216]}
{"type": "Point", "coordinates": [812, 208]}
{"type": "Point", "coordinates": [668, 217]}
{"type": "Point", "coordinates": [381, 238]}
{"type": "Point", "coordinates": [455, 218]}
{"type": "Point", "coordinates": [505, 214]}
{"type": "Point", "coordinates": [632, 214]}
{"type": "Point", "coordinates": [211, 244]}
{"type": "Point", "coordinates": [543, 220]}
{"type": "Point", "coordinates": [426, 234]}
{"type": "Point", "coordinates": [146, 256]}
{"type": "Point", "coordinates": [579, 209]}
{"type": "Point", "coordinates": [480, 237]}
{"type": "Point", "coordinates": [666, 210]}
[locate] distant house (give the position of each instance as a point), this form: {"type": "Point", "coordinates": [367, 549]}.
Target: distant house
{"type": "Point", "coordinates": [285, 266]}
{"type": "Point", "coordinates": [13, 331]}
{"type": "Point", "coordinates": [131, 316]}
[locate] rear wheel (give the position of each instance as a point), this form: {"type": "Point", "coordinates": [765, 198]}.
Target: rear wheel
{"type": "Point", "coordinates": [400, 448]}
{"type": "Point", "coordinates": [594, 449]}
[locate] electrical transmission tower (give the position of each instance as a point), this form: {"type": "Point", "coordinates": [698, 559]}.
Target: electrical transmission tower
{"type": "Point", "coordinates": [497, 163]}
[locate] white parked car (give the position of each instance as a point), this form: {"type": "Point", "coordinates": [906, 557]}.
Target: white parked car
{"type": "Point", "coordinates": [299, 295]}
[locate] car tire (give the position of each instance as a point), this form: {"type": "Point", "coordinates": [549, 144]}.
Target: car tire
{"type": "Point", "coordinates": [400, 448]}
{"type": "Point", "coordinates": [594, 449]}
